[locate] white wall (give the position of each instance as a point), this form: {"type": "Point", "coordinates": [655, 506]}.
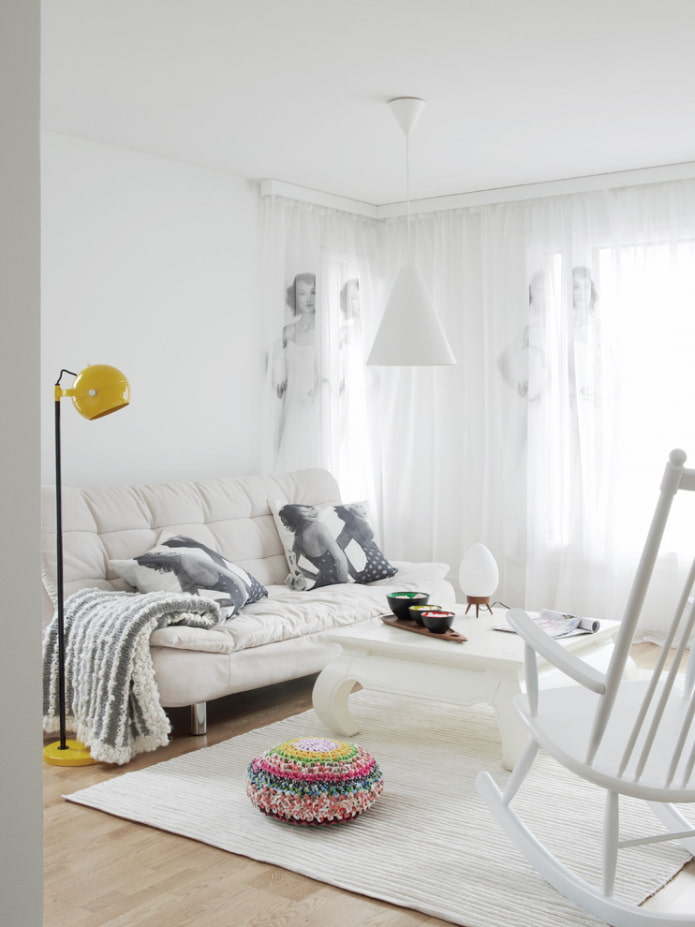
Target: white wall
{"type": "Point", "coordinates": [21, 877]}
{"type": "Point", "coordinates": [150, 265]}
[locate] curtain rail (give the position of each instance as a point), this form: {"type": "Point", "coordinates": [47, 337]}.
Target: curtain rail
{"type": "Point", "coordinates": [592, 182]}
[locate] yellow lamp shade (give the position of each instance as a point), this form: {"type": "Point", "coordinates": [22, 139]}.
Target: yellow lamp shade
{"type": "Point", "coordinates": [99, 390]}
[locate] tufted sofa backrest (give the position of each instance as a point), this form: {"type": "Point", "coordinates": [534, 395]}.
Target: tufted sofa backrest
{"type": "Point", "coordinates": [229, 514]}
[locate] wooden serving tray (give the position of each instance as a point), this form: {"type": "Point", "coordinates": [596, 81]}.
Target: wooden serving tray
{"type": "Point", "coordinates": [406, 624]}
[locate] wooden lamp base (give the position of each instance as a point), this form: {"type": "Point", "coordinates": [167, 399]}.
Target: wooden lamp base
{"type": "Point", "coordinates": [478, 600]}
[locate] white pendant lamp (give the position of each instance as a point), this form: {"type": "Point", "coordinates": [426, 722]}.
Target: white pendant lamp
{"type": "Point", "coordinates": [410, 333]}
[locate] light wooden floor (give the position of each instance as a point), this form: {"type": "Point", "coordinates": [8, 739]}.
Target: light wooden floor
{"type": "Point", "coordinates": [101, 871]}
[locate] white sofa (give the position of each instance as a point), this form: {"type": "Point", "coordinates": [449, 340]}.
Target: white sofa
{"type": "Point", "coordinates": [278, 638]}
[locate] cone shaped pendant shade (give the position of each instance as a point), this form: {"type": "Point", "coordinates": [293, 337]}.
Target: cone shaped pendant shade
{"type": "Point", "coordinates": [410, 333]}
{"type": "Point", "coordinates": [406, 111]}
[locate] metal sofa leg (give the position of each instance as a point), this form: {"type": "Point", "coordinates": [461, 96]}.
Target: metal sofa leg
{"type": "Point", "coordinates": [199, 718]}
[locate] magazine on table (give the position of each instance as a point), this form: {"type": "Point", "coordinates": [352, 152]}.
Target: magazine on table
{"type": "Point", "coordinates": [559, 624]}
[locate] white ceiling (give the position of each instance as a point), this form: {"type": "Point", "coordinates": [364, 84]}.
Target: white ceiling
{"type": "Point", "coordinates": [517, 91]}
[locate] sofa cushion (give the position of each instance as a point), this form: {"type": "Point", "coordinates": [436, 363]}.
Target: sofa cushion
{"type": "Point", "coordinates": [287, 615]}
{"type": "Point", "coordinates": [327, 544]}
{"type": "Point", "coordinates": [182, 564]}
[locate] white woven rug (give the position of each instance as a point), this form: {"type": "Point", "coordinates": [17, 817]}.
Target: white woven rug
{"type": "Point", "coordinates": [428, 844]}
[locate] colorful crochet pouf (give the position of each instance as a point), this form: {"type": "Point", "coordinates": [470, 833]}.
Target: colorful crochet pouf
{"type": "Point", "coordinates": [314, 780]}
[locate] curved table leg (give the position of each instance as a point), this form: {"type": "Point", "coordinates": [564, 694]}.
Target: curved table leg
{"type": "Point", "coordinates": [330, 697]}
{"type": "Point", "coordinates": [513, 732]}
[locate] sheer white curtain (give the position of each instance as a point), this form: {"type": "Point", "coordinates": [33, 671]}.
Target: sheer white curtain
{"type": "Point", "coordinates": [616, 341]}
{"type": "Point", "coordinates": [573, 322]}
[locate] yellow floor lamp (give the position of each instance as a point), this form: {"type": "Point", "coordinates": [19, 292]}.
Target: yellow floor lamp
{"type": "Point", "coordinates": [96, 391]}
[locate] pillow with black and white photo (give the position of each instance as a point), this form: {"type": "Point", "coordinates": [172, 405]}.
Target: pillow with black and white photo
{"type": "Point", "coordinates": [327, 544]}
{"type": "Point", "coordinates": [182, 564]}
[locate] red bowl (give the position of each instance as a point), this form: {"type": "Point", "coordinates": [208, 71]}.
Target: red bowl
{"type": "Point", "coordinates": [436, 620]}
{"type": "Point", "coordinates": [414, 612]}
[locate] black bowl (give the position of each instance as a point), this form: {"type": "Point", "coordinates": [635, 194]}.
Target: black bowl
{"type": "Point", "coordinates": [437, 621]}
{"type": "Point", "coordinates": [414, 612]}
{"type": "Point", "coordinates": [400, 602]}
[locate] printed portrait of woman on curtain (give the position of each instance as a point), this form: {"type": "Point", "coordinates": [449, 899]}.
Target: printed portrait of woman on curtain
{"type": "Point", "coordinates": [295, 378]}
{"type": "Point", "coordinates": [585, 338]}
{"type": "Point", "coordinates": [522, 362]}
{"type": "Point", "coordinates": [351, 450]}
{"type": "Point", "coordinates": [349, 343]}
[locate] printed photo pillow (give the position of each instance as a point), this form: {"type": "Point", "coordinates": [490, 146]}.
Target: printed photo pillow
{"type": "Point", "coordinates": [329, 544]}
{"type": "Point", "coordinates": [181, 564]}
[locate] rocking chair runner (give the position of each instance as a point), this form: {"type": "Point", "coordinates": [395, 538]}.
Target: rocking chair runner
{"type": "Point", "coordinates": [631, 737]}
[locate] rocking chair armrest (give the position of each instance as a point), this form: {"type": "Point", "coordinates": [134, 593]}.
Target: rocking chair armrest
{"type": "Point", "coordinates": [543, 644]}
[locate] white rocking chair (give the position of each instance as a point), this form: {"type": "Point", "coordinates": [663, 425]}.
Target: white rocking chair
{"type": "Point", "coordinates": [629, 736]}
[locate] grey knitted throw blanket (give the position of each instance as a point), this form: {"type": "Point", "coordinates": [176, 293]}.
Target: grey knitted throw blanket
{"type": "Point", "coordinates": [111, 695]}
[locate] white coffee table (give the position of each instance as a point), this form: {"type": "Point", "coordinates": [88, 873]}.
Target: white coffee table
{"type": "Point", "coordinates": [488, 667]}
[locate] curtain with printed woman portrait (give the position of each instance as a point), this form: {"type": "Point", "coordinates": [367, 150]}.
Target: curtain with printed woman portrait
{"type": "Point", "coordinates": [317, 278]}
{"type": "Point", "coordinates": [614, 343]}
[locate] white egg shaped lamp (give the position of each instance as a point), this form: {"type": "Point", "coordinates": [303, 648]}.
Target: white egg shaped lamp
{"type": "Point", "coordinates": [478, 577]}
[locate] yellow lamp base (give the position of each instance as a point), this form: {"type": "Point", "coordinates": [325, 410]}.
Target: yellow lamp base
{"type": "Point", "coordinates": [74, 754]}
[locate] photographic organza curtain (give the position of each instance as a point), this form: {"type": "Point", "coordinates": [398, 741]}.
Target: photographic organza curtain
{"type": "Point", "coordinates": [572, 319]}
{"type": "Point", "coordinates": [611, 352]}
{"type": "Point", "coordinates": [317, 274]}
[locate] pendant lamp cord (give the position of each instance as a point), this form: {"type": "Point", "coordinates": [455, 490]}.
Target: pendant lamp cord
{"type": "Point", "coordinates": [407, 194]}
